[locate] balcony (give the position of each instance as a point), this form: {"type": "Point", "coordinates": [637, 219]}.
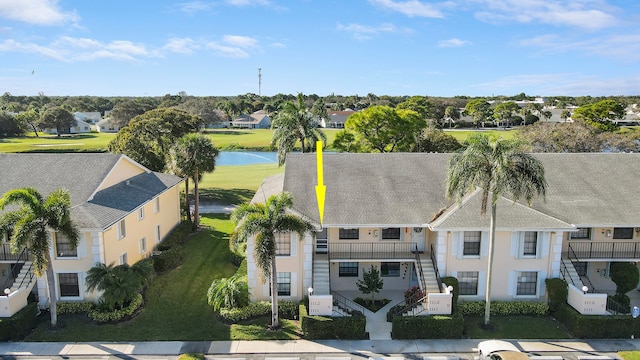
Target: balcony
{"type": "Point", "coordinates": [6, 255]}
{"type": "Point", "coordinates": [613, 250]}
{"type": "Point", "coordinates": [372, 251]}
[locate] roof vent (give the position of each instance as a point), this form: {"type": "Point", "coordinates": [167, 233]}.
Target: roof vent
{"type": "Point", "coordinates": [128, 182]}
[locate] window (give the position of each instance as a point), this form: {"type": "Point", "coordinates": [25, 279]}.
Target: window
{"type": "Point", "coordinates": [582, 233]}
{"type": "Point", "coordinates": [348, 269]}
{"type": "Point", "coordinates": [283, 244]}
{"type": "Point", "coordinates": [143, 245]}
{"type": "Point", "coordinates": [471, 245]}
{"type": "Point", "coordinates": [623, 233]}
{"type": "Point", "coordinates": [284, 283]}
{"type": "Point", "coordinates": [158, 234]}
{"type": "Point", "coordinates": [122, 230]}
{"type": "Point", "coordinates": [156, 205]}
{"type": "Point", "coordinates": [123, 259]}
{"type": "Point", "coordinates": [63, 246]}
{"type": "Point", "coordinates": [390, 233]}
{"type": "Point", "coordinates": [69, 284]}
{"type": "Point", "coordinates": [390, 269]}
{"type": "Point", "coordinates": [141, 213]}
{"type": "Point", "coordinates": [468, 282]}
{"type": "Point", "coordinates": [349, 234]}
{"type": "Point", "coordinates": [527, 283]}
{"type": "Point", "coordinates": [530, 243]}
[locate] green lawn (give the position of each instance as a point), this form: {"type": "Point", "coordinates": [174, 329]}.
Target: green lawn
{"type": "Point", "coordinates": [46, 143]}
{"type": "Point", "coordinates": [515, 327]}
{"type": "Point", "coordinates": [258, 139]}
{"type": "Point", "coordinates": [630, 355]}
{"type": "Point", "coordinates": [175, 303]}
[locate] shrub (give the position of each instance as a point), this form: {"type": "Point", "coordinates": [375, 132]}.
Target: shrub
{"type": "Point", "coordinates": [597, 326]}
{"type": "Point", "coordinates": [625, 275]}
{"type": "Point", "coordinates": [176, 237]}
{"type": "Point", "coordinates": [325, 327]}
{"type": "Point", "coordinates": [74, 307]}
{"type": "Point", "coordinates": [251, 311]}
{"type": "Point", "coordinates": [191, 356]}
{"type": "Point", "coordinates": [428, 327]}
{"type": "Point", "coordinates": [119, 314]}
{"type": "Point", "coordinates": [558, 293]}
{"type": "Point", "coordinates": [230, 292]}
{"type": "Point", "coordinates": [504, 308]}
{"type": "Point", "coordinates": [413, 294]}
{"type": "Point", "coordinates": [168, 259]}
{"type": "Point", "coordinates": [21, 322]}
{"type": "Point", "coordinates": [236, 258]}
{"type": "Point", "coordinates": [453, 282]}
{"type": "Point", "coordinates": [288, 310]}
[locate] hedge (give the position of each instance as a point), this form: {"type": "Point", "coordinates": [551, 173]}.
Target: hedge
{"type": "Point", "coordinates": [597, 326]}
{"type": "Point", "coordinates": [325, 327]}
{"type": "Point", "coordinates": [428, 327]}
{"type": "Point", "coordinates": [20, 323]}
{"type": "Point", "coordinates": [74, 307]}
{"type": "Point", "coordinates": [168, 259]}
{"type": "Point", "coordinates": [119, 314]}
{"type": "Point", "coordinates": [286, 310]}
{"type": "Point", "coordinates": [504, 308]}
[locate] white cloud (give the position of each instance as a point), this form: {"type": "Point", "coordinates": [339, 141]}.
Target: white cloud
{"type": "Point", "coordinates": [366, 32]}
{"type": "Point", "coordinates": [278, 45]}
{"type": "Point", "coordinates": [586, 14]}
{"type": "Point", "coordinates": [240, 41]}
{"type": "Point", "coordinates": [38, 12]}
{"type": "Point", "coordinates": [452, 43]}
{"type": "Point", "coordinates": [194, 7]}
{"type": "Point", "coordinates": [181, 45]}
{"type": "Point", "coordinates": [410, 8]}
{"type": "Point", "coordinates": [624, 48]}
{"type": "Point", "coordinates": [248, 2]}
{"type": "Point", "coordinates": [227, 51]}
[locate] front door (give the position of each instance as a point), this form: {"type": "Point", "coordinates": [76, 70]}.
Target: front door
{"type": "Point", "coordinates": [417, 236]}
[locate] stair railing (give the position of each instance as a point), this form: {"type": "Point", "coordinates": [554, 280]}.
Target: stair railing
{"type": "Point", "coordinates": [346, 304]}
{"type": "Point", "coordinates": [30, 275]}
{"type": "Point", "coordinates": [423, 281]}
{"type": "Point", "coordinates": [15, 269]}
{"type": "Point", "coordinates": [435, 267]}
{"type": "Point", "coordinates": [409, 304]}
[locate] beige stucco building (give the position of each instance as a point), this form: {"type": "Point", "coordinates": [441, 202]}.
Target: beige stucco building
{"type": "Point", "coordinates": [121, 208]}
{"type": "Point", "coordinates": [390, 211]}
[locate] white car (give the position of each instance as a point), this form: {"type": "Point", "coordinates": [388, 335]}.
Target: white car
{"type": "Point", "coordinates": [499, 350]}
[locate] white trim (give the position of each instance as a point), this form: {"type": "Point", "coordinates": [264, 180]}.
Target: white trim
{"type": "Point", "coordinates": [80, 287]}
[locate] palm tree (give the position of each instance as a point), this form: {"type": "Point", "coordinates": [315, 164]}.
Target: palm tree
{"type": "Point", "coordinates": [30, 226]}
{"type": "Point", "coordinates": [294, 122]}
{"type": "Point", "coordinates": [264, 222]}
{"type": "Point", "coordinates": [451, 113]}
{"type": "Point", "coordinates": [119, 283]}
{"type": "Point", "coordinates": [497, 167]}
{"type": "Point", "coordinates": [192, 156]}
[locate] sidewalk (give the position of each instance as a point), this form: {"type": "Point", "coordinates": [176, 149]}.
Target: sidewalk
{"type": "Point", "coordinates": [364, 347]}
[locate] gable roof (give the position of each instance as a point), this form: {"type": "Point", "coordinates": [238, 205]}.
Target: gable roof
{"type": "Point", "coordinates": [589, 189]}
{"type": "Point", "coordinates": [82, 175]}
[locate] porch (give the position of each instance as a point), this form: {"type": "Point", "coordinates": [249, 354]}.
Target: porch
{"type": "Point", "coordinates": [7, 256]}
{"type": "Point", "coordinates": [372, 250]}
{"type": "Point", "coordinates": [610, 250]}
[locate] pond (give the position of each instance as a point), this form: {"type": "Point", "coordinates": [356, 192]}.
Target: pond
{"type": "Point", "coordinates": [246, 158]}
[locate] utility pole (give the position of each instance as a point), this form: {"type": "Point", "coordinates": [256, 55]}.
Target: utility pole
{"type": "Point", "coordinates": [259, 81]}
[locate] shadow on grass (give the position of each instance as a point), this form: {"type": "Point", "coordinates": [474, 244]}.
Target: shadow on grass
{"type": "Point", "coordinates": [257, 329]}
{"type": "Point", "coordinates": [226, 196]}
{"type": "Point", "coordinates": [515, 327]}
{"type": "Point", "coordinates": [227, 132]}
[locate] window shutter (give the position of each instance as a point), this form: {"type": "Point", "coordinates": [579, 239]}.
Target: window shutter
{"type": "Point", "coordinates": [513, 282]}
{"type": "Point", "coordinates": [515, 246]}
{"type": "Point", "coordinates": [544, 243]}
{"type": "Point", "coordinates": [482, 283]}
{"type": "Point", "coordinates": [484, 243]}
{"type": "Point", "coordinates": [82, 247]}
{"type": "Point", "coordinates": [455, 244]}
{"type": "Point", "coordinates": [542, 275]}
{"type": "Point", "coordinates": [294, 244]}
{"type": "Point", "coordinates": [294, 284]}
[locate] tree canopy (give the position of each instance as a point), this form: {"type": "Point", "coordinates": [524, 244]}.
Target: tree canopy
{"type": "Point", "coordinates": [601, 114]}
{"type": "Point", "coordinates": [148, 137]}
{"type": "Point", "coordinates": [57, 118]}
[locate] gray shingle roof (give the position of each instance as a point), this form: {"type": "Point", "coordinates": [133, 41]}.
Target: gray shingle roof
{"type": "Point", "coordinates": [409, 189]}
{"type": "Point", "coordinates": [81, 175]}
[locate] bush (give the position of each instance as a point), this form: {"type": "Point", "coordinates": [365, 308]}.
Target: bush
{"type": "Point", "coordinates": [236, 259]}
{"type": "Point", "coordinates": [625, 275]}
{"type": "Point", "coordinates": [597, 326]}
{"type": "Point", "coordinates": [558, 292]}
{"type": "Point", "coordinates": [176, 237]}
{"type": "Point", "coordinates": [504, 308]}
{"type": "Point", "coordinates": [452, 281]}
{"type": "Point", "coordinates": [288, 310]}
{"type": "Point", "coordinates": [428, 327]}
{"type": "Point", "coordinates": [20, 323]}
{"type": "Point", "coordinates": [251, 311]}
{"type": "Point", "coordinates": [168, 259]}
{"type": "Point", "coordinates": [325, 327]}
{"type": "Point", "coordinates": [117, 315]}
{"type": "Point", "coordinates": [74, 307]}
{"type": "Point", "coordinates": [412, 295]}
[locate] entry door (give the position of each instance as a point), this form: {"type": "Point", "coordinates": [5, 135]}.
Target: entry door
{"type": "Point", "coordinates": [418, 237]}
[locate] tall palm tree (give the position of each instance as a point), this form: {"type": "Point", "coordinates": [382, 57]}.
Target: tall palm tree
{"type": "Point", "coordinates": [192, 156]}
{"type": "Point", "coordinates": [497, 167]}
{"type": "Point", "coordinates": [30, 226]}
{"type": "Point", "coordinates": [264, 222]}
{"type": "Point", "coordinates": [294, 122]}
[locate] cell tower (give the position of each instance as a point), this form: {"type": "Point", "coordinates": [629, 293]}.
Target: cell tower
{"type": "Point", "coordinates": [259, 81]}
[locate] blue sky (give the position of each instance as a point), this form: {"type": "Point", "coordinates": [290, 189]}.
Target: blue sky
{"type": "Point", "coordinates": [346, 47]}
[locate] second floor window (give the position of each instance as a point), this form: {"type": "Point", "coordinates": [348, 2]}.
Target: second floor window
{"type": "Point", "coordinates": [582, 233]}
{"type": "Point", "coordinates": [283, 244]}
{"type": "Point", "coordinates": [390, 233]}
{"type": "Point", "coordinates": [623, 233]}
{"type": "Point", "coordinates": [471, 245]}
{"type": "Point", "coordinates": [122, 230]}
{"type": "Point", "coordinates": [530, 243]}
{"type": "Point", "coordinates": [63, 246]}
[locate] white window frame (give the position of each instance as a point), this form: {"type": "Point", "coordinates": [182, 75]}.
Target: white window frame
{"type": "Point", "coordinates": [143, 245]}
{"type": "Point", "coordinates": [80, 289]}
{"type": "Point", "coordinates": [141, 213]}
{"type": "Point", "coordinates": [123, 259]}
{"type": "Point", "coordinates": [121, 228]}
{"type": "Point", "coordinates": [156, 205]}
{"type": "Point", "coordinates": [57, 253]}
{"type": "Point", "coordinates": [537, 285]}
{"type": "Point", "coordinates": [158, 234]}
{"type": "Point", "coordinates": [542, 245]}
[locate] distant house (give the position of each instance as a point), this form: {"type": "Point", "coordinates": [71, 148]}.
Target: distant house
{"type": "Point", "coordinates": [81, 127]}
{"type": "Point", "coordinates": [257, 120]}
{"type": "Point", "coordinates": [217, 120]}
{"type": "Point", "coordinates": [107, 125]}
{"type": "Point", "coordinates": [337, 119]}
{"type": "Point", "coordinates": [88, 117]}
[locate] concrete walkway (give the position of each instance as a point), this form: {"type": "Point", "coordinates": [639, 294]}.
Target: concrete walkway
{"type": "Point", "coordinates": [360, 347]}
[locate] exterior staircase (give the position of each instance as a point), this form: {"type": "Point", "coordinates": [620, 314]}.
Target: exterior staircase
{"type": "Point", "coordinates": [24, 278]}
{"type": "Point", "coordinates": [429, 274]}
{"type": "Point", "coordinates": [570, 275]}
{"type": "Point", "coordinates": [321, 275]}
